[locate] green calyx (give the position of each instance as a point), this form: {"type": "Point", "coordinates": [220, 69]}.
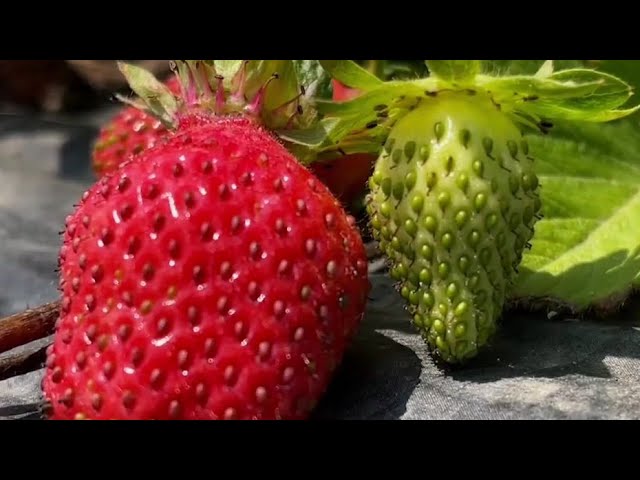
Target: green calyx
{"type": "Point", "coordinates": [280, 94]}
{"type": "Point", "coordinates": [534, 101]}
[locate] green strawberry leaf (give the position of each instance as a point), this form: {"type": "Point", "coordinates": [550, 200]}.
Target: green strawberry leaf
{"type": "Point", "coordinates": [576, 94]}
{"type": "Point", "coordinates": [454, 70]}
{"type": "Point", "coordinates": [227, 68]}
{"type": "Point", "coordinates": [292, 95]}
{"type": "Point", "coordinates": [305, 143]}
{"type": "Point", "coordinates": [530, 86]}
{"type": "Point", "coordinates": [627, 69]}
{"type": "Point", "coordinates": [315, 80]}
{"type": "Point", "coordinates": [364, 112]}
{"type": "Point", "coordinates": [610, 93]}
{"type": "Point", "coordinates": [403, 69]}
{"type": "Point", "coordinates": [538, 68]}
{"type": "Point", "coordinates": [155, 94]}
{"type": "Point", "coordinates": [586, 249]}
{"type": "Point", "coordinates": [351, 74]}
{"type": "Point", "coordinates": [545, 70]}
{"type": "Point", "coordinates": [280, 90]}
{"type": "Point", "coordinates": [311, 137]}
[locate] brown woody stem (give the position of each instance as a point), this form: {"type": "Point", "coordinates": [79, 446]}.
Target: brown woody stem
{"type": "Point", "coordinates": [28, 326]}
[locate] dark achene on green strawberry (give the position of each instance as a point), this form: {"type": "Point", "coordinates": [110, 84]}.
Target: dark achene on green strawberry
{"type": "Point", "coordinates": [454, 194]}
{"type": "Point", "coordinates": [211, 277]}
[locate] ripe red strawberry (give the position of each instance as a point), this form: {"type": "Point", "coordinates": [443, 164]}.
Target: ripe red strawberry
{"type": "Point", "coordinates": [211, 277]}
{"type": "Point", "coordinates": [128, 133]}
{"type": "Point", "coordinates": [346, 175]}
{"type": "Point", "coordinates": [342, 93]}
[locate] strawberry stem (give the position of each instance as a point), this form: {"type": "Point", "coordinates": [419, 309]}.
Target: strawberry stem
{"type": "Point", "coordinates": [29, 325]}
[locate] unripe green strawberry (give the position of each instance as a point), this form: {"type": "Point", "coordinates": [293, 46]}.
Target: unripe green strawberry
{"type": "Point", "coordinates": [453, 202]}
{"type": "Point", "coordinates": [454, 192]}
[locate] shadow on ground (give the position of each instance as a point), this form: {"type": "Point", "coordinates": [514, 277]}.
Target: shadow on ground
{"type": "Point", "coordinates": [27, 411]}
{"type": "Point", "coordinates": [531, 346]}
{"type": "Point", "coordinates": [532, 343]}
{"type": "Point", "coordinates": [374, 382]}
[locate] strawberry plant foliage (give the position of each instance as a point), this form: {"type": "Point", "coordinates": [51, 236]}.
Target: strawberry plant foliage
{"type": "Point", "coordinates": [585, 249]}
{"type": "Point", "coordinates": [571, 94]}
{"type": "Point", "coordinates": [455, 192]}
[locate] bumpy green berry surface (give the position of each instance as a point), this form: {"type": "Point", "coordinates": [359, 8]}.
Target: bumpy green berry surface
{"type": "Point", "coordinates": [453, 204]}
{"type": "Point", "coordinates": [454, 195]}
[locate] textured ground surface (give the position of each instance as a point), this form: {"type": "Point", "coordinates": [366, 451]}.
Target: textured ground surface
{"type": "Point", "coordinates": [540, 368]}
